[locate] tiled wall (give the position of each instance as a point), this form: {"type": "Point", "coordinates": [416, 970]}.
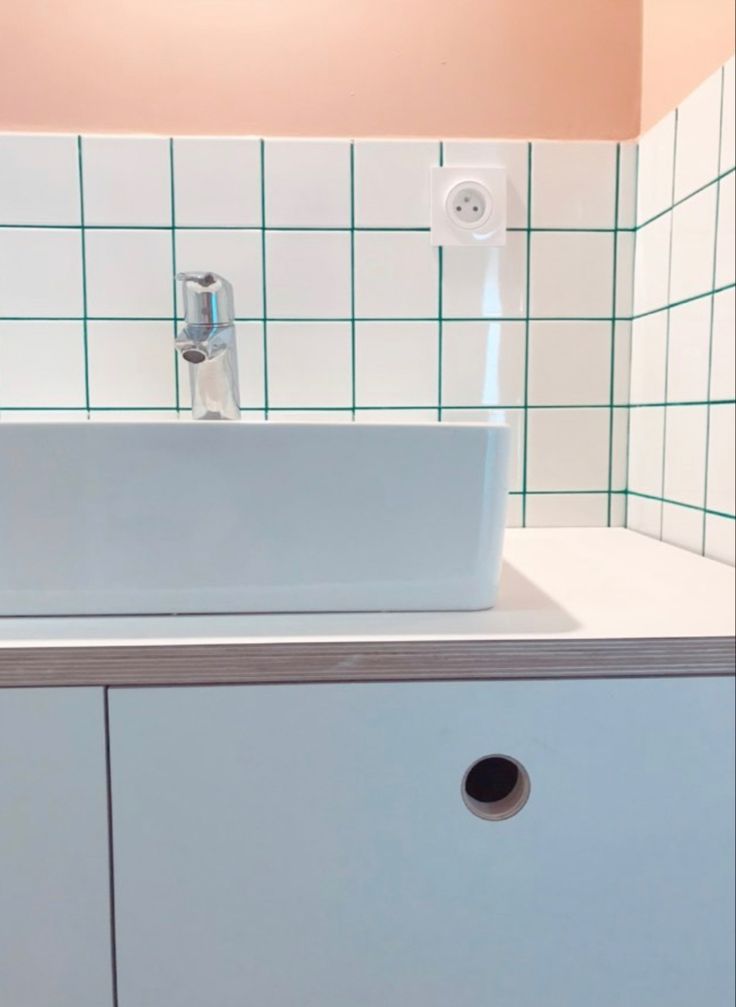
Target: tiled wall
{"type": "Point", "coordinates": [345, 309]}
{"type": "Point", "coordinates": [681, 465]}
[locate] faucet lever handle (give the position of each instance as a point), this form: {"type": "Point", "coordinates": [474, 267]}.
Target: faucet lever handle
{"type": "Point", "coordinates": [207, 298]}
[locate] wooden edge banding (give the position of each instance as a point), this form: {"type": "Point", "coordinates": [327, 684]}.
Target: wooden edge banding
{"type": "Point", "coordinates": [262, 663]}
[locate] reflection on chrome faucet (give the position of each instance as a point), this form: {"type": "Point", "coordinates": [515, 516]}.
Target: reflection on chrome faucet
{"type": "Point", "coordinates": [208, 344]}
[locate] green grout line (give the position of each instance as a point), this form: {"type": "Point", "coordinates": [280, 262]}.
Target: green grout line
{"type": "Point", "coordinates": [679, 503]}
{"type": "Point", "coordinates": [527, 306]}
{"type": "Point", "coordinates": [397, 319]}
{"type": "Point", "coordinates": [696, 192]}
{"type": "Point", "coordinates": [668, 320]}
{"type": "Point", "coordinates": [612, 387]}
{"type": "Point", "coordinates": [82, 233]}
{"type": "Point", "coordinates": [353, 346]}
{"type": "Point", "coordinates": [684, 300]}
{"type": "Point", "coordinates": [631, 336]}
{"type": "Point", "coordinates": [483, 407]}
{"type": "Point", "coordinates": [711, 324]}
{"type": "Point", "coordinates": [172, 199]}
{"type": "Point", "coordinates": [264, 307]}
{"type": "Point", "coordinates": [690, 402]}
{"type": "Point", "coordinates": [315, 227]}
{"type": "Point", "coordinates": [328, 228]}
{"type": "Point", "coordinates": [440, 308]}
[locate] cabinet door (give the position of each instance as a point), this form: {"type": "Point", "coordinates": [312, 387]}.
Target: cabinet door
{"type": "Point", "coordinates": [54, 879]}
{"type": "Point", "coordinates": [308, 846]}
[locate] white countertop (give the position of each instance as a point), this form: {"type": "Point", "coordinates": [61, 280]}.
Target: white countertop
{"type": "Point", "coordinates": [557, 584]}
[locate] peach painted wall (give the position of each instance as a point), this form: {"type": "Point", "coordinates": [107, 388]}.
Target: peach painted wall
{"type": "Point", "coordinates": [683, 42]}
{"type": "Point", "coordinates": [475, 68]}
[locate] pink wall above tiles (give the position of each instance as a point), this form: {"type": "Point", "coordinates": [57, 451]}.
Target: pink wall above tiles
{"type": "Point", "coordinates": [683, 42]}
{"type": "Point", "coordinates": [473, 68]}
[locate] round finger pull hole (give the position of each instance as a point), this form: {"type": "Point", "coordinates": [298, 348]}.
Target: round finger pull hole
{"type": "Point", "coordinates": [496, 787]}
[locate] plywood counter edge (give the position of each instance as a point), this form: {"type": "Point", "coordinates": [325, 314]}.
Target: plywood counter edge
{"type": "Point", "coordinates": [281, 663]}
{"type": "Point", "coordinates": [590, 603]}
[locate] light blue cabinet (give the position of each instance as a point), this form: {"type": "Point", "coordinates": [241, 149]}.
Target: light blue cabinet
{"type": "Point", "coordinates": [308, 846]}
{"type": "Point", "coordinates": [54, 878]}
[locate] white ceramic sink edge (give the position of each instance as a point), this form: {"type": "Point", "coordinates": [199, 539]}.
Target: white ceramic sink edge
{"type": "Point", "coordinates": [159, 517]}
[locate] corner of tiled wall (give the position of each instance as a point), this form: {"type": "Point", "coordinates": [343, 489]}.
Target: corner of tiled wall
{"type": "Point", "coordinates": [681, 460]}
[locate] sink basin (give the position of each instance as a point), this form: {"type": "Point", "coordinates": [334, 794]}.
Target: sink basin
{"type": "Point", "coordinates": [136, 518]}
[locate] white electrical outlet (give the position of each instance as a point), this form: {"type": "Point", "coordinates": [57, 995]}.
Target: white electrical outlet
{"type": "Point", "coordinates": [468, 206]}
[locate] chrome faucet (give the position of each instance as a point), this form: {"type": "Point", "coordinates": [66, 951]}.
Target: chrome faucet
{"type": "Point", "coordinates": [207, 342]}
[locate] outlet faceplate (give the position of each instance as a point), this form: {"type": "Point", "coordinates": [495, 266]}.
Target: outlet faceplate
{"type": "Point", "coordinates": [468, 206]}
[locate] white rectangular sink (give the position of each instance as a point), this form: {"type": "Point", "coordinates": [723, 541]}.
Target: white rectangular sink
{"type": "Point", "coordinates": [143, 518]}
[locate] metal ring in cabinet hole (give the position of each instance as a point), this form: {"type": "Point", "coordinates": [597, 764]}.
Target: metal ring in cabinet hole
{"type": "Point", "coordinates": [496, 787]}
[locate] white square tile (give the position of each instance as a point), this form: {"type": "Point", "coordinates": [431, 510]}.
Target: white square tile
{"type": "Point", "coordinates": [573, 184]}
{"type": "Point", "coordinates": [693, 240]}
{"type": "Point", "coordinates": [129, 274]}
{"type": "Point", "coordinates": [40, 180]}
{"type": "Point", "coordinates": [392, 182]}
{"type": "Point", "coordinates": [396, 275]}
{"type": "Point", "coordinates": [485, 282]}
{"type": "Point", "coordinates": [144, 415]}
{"type": "Point", "coordinates": [452, 415]}
{"type": "Point", "coordinates": [722, 380]}
{"type": "Point", "coordinates": [515, 418]}
{"type": "Point", "coordinates": [628, 169]}
{"type": "Point", "coordinates": [728, 143]}
{"type": "Point", "coordinates": [656, 169]}
{"type": "Point", "coordinates": [307, 183]}
{"type": "Point", "coordinates": [652, 264]}
{"type": "Point", "coordinates": [571, 275]}
{"type": "Point", "coordinates": [720, 538]}
{"type": "Point", "coordinates": [684, 466]}
{"type": "Point", "coordinates": [311, 416]}
{"type": "Point", "coordinates": [618, 510]}
{"type": "Point", "coordinates": [235, 255]}
{"type": "Point", "coordinates": [483, 363]}
{"type": "Point", "coordinates": [725, 256]}
{"type": "Point", "coordinates": [42, 364]}
{"type": "Point", "coordinates": [131, 364]}
{"type": "Point", "coordinates": [688, 356]}
{"type": "Point", "coordinates": [309, 364]}
{"type": "Point", "coordinates": [514, 512]}
{"type": "Point", "coordinates": [622, 363]}
{"type": "Point", "coordinates": [513, 155]}
{"type": "Point", "coordinates": [569, 363]}
{"type": "Point", "coordinates": [626, 249]}
{"type": "Point", "coordinates": [217, 182]}
{"type": "Point", "coordinates": [396, 364]}
{"type": "Point", "coordinates": [40, 273]}
{"type": "Point", "coordinates": [698, 129]}
{"type": "Point", "coordinates": [567, 449]}
{"type": "Point", "coordinates": [308, 274]}
{"type": "Point", "coordinates": [646, 450]}
{"type": "Point", "coordinates": [567, 510]}
{"type": "Point", "coordinates": [384, 415]}
{"type": "Point", "coordinates": [127, 180]}
{"type": "Point", "coordinates": [249, 336]}
{"type": "Point", "coordinates": [682, 527]}
{"type": "Point", "coordinates": [32, 415]}
{"type": "Point", "coordinates": [721, 454]}
{"type": "Point", "coordinates": [644, 516]}
{"type": "Point", "coordinates": [620, 450]}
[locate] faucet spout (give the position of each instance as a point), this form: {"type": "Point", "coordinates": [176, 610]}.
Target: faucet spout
{"type": "Point", "coordinates": [208, 343]}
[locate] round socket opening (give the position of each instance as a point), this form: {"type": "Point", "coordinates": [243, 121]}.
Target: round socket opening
{"type": "Point", "coordinates": [496, 787]}
{"type": "Point", "coordinates": [469, 205]}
